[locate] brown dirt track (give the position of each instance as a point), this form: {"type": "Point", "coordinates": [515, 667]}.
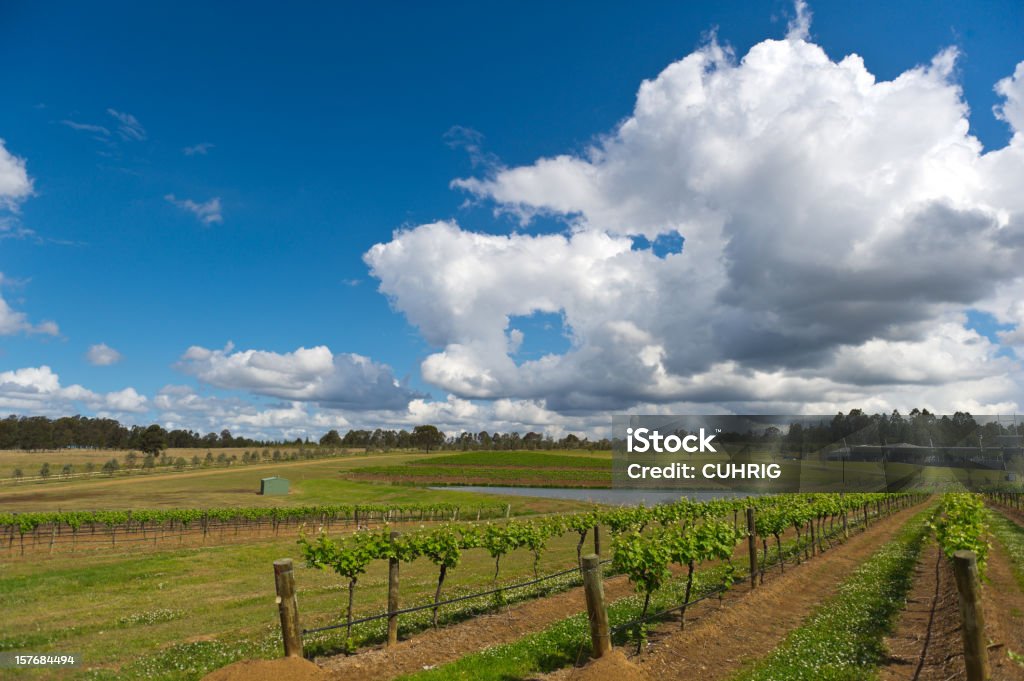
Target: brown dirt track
{"type": "Point", "coordinates": [926, 644]}
{"type": "Point", "coordinates": [714, 645]}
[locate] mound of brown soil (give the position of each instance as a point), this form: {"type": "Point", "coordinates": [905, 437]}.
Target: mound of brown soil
{"type": "Point", "coordinates": [614, 665]}
{"type": "Point", "coordinates": [281, 669]}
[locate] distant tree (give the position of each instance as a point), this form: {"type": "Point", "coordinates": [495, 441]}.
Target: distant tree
{"type": "Point", "coordinates": [331, 439]}
{"type": "Point", "coordinates": [222, 458]}
{"type": "Point", "coordinates": [111, 467]}
{"type": "Point", "coordinates": [130, 459]}
{"type": "Point", "coordinates": [18, 474]}
{"type": "Point", "coordinates": [196, 460]}
{"type": "Point", "coordinates": [90, 467]}
{"type": "Point", "coordinates": [66, 470]}
{"type": "Point", "coordinates": [180, 463]}
{"type": "Point", "coordinates": [149, 462]}
{"type": "Point", "coordinates": [153, 440]}
{"type": "Point", "coordinates": [44, 471]}
{"type": "Point", "coordinates": [208, 461]}
{"type": "Point", "coordinates": [225, 438]}
{"type": "Point", "coordinates": [427, 437]}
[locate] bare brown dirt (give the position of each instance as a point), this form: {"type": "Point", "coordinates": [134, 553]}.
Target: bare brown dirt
{"type": "Point", "coordinates": [281, 669]}
{"type": "Point", "coordinates": [614, 666]}
{"type": "Point", "coordinates": [789, 598]}
{"type": "Point", "coordinates": [926, 644]}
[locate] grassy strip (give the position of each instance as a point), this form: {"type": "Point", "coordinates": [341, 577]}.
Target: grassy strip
{"type": "Point", "coordinates": [524, 459]}
{"type": "Point", "coordinates": [194, 659]}
{"type": "Point", "coordinates": [1011, 536]}
{"type": "Point", "coordinates": [502, 474]}
{"type": "Point", "coordinates": [843, 639]}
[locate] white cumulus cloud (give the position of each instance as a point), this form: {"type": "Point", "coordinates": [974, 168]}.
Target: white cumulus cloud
{"type": "Point", "coordinates": [14, 322]}
{"type": "Point", "coordinates": [15, 184]}
{"type": "Point", "coordinates": [102, 355]}
{"type": "Point", "coordinates": [38, 391]}
{"type": "Point", "coordinates": [307, 374]}
{"type": "Point", "coordinates": [835, 230]}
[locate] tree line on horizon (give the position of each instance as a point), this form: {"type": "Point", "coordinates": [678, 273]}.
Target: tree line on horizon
{"type": "Point", "coordinates": [919, 427]}
{"type": "Point", "coordinates": [41, 433]}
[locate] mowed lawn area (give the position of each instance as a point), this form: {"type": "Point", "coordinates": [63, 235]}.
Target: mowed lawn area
{"type": "Point", "coordinates": [516, 468]}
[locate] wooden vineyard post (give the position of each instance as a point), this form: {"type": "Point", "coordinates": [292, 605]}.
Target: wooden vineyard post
{"type": "Point", "coordinates": [597, 613]}
{"type": "Point", "coordinates": [752, 546]}
{"type": "Point", "coordinates": [284, 580]}
{"type": "Point", "coordinates": [846, 528]}
{"type": "Point", "coordinates": [597, 540]}
{"type": "Point", "coordinates": [393, 595]}
{"type": "Point", "coordinates": [965, 569]}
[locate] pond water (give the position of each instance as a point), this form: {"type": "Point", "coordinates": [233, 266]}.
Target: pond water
{"type": "Point", "coordinates": [630, 497]}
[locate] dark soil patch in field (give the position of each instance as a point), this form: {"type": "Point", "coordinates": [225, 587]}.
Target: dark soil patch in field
{"type": "Point", "coordinates": [926, 644]}
{"type": "Point", "coordinates": [713, 637]}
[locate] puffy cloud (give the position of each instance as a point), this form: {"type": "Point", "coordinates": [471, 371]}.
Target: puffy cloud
{"type": "Point", "coordinates": [836, 228]}
{"type": "Point", "coordinates": [307, 375]}
{"type": "Point", "coordinates": [207, 212]}
{"type": "Point", "coordinates": [1011, 109]}
{"type": "Point", "coordinates": [13, 322]}
{"type": "Point", "coordinates": [102, 355]}
{"type": "Point", "coordinates": [38, 391]}
{"type": "Point", "coordinates": [15, 184]}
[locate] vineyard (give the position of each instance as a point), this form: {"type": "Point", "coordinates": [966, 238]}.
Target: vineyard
{"type": "Point", "coordinates": [808, 586]}
{"type": "Point", "coordinates": [650, 546]}
{"type": "Point", "coordinates": [78, 530]}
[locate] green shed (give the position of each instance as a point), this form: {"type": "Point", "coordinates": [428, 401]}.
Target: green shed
{"type": "Point", "coordinates": [274, 485]}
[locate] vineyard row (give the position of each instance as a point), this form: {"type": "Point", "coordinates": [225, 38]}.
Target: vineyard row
{"type": "Point", "coordinates": [74, 528]}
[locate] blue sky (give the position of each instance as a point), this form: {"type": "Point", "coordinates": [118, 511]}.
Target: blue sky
{"type": "Point", "coordinates": [200, 176]}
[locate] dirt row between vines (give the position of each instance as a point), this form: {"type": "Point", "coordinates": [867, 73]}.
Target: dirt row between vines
{"type": "Point", "coordinates": [927, 643]}
{"type": "Point", "coordinates": [719, 633]}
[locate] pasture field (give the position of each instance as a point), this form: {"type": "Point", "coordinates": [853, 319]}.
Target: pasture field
{"type": "Point", "coordinates": [318, 481]}
{"type": "Point", "coordinates": [30, 461]}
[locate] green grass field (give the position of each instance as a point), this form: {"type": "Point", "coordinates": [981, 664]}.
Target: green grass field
{"type": "Point", "coordinates": [121, 610]}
